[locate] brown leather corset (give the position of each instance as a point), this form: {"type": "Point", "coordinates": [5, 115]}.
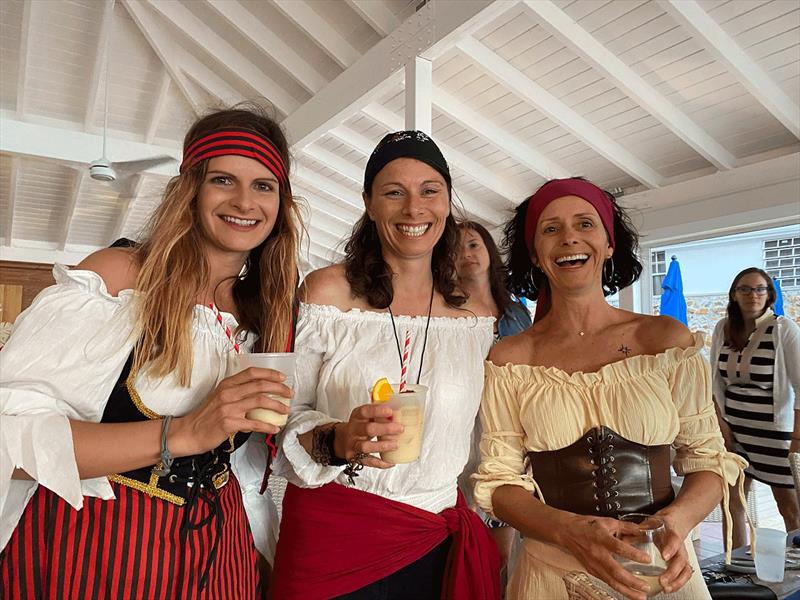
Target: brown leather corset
{"type": "Point", "coordinates": [604, 474]}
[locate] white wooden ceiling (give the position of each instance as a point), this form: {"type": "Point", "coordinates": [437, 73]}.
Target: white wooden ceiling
{"type": "Point", "coordinates": [673, 102]}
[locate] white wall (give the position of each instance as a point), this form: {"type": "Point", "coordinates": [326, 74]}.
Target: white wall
{"type": "Point", "coordinates": [709, 267]}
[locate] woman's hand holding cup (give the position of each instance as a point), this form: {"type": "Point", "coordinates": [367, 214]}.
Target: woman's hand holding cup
{"type": "Point", "coordinates": [357, 435]}
{"type": "Point", "coordinates": [224, 412]}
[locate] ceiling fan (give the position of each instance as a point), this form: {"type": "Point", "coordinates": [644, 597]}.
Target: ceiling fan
{"type": "Point", "coordinates": [102, 169]}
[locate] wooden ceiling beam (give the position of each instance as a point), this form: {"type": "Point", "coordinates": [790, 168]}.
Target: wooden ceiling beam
{"type": "Point", "coordinates": [377, 14]}
{"type": "Point", "coordinates": [225, 54]}
{"type": "Point", "coordinates": [159, 107]}
{"type": "Point", "coordinates": [319, 31]}
{"type": "Point", "coordinates": [69, 216]}
{"type": "Point", "coordinates": [600, 58]}
{"type": "Point", "coordinates": [107, 20]}
{"type": "Point", "coordinates": [263, 38]}
{"type": "Point", "coordinates": [691, 16]}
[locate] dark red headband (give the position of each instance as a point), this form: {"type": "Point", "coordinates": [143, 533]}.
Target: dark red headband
{"type": "Point", "coordinates": [240, 142]}
{"type": "Point", "coordinates": [558, 188]}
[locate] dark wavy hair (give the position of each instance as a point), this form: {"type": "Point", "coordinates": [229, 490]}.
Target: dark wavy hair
{"type": "Point", "coordinates": [370, 277]}
{"type": "Point", "coordinates": [524, 279]}
{"type": "Point", "coordinates": [735, 336]}
{"type": "Point", "coordinates": [497, 270]}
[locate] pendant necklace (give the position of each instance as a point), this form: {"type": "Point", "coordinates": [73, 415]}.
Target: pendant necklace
{"type": "Point", "coordinates": [424, 339]}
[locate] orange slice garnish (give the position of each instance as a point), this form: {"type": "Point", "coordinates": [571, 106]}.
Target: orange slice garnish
{"type": "Point", "coordinates": [381, 391]}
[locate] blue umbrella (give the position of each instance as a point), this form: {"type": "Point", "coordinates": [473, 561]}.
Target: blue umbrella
{"type": "Point", "coordinates": [778, 307]}
{"type": "Point", "coordinates": [672, 301]}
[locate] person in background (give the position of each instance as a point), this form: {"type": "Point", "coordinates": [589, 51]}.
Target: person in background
{"type": "Point", "coordinates": [353, 525]}
{"type": "Point", "coordinates": [126, 465]}
{"type": "Point", "coordinates": [580, 411]}
{"type": "Point", "coordinates": [756, 367]}
{"type": "Point", "coordinates": [482, 275]}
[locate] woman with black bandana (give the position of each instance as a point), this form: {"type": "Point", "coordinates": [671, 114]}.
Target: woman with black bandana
{"type": "Point", "coordinates": [355, 526]}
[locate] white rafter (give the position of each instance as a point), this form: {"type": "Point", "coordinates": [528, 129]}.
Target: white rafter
{"type": "Point", "coordinates": [319, 31]}
{"type": "Point", "coordinates": [99, 61]}
{"type": "Point", "coordinates": [332, 188]}
{"type": "Point", "coordinates": [377, 14]}
{"type": "Point", "coordinates": [158, 107]}
{"type": "Point", "coordinates": [595, 54]}
{"type": "Point", "coordinates": [335, 162]}
{"type": "Point", "coordinates": [164, 47]}
{"type": "Point", "coordinates": [77, 183]}
{"type": "Point", "coordinates": [511, 191]}
{"type": "Point", "coordinates": [8, 227]}
{"type": "Point", "coordinates": [270, 44]}
{"type": "Point", "coordinates": [380, 68]}
{"type": "Point", "coordinates": [127, 199]}
{"type": "Point", "coordinates": [691, 16]}
{"type": "Point", "coordinates": [182, 65]}
{"type": "Point", "coordinates": [225, 54]}
{"type": "Point", "coordinates": [502, 139]}
{"type": "Point", "coordinates": [25, 44]}
{"type": "Point", "coordinates": [342, 218]}
{"type": "Point", "coordinates": [70, 146]}
{"type": "Point", "coordinates": [530, 91]}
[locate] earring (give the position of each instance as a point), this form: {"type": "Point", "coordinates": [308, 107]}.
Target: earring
{"type": "Point", "coordinates": [608, 278]}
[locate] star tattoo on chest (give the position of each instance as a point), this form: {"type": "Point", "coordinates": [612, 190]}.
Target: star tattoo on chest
{"type": "Point", "coordinates": [624, 349]}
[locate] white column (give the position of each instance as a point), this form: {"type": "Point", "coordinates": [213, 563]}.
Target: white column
{"type": "Point", "coordinates": [630, 298]}
{"type": "Point", "coordinates": [646, 281]}
{"type": "Point", "coordinates": [419, 86]}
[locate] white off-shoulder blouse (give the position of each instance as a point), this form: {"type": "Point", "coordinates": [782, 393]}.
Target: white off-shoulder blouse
{"type": "Point", "coordinates": [61, 362]}
{"type": "Point", "coordinates": [648, 399]}
{"type": "Point", "coordinates": [354, 349]}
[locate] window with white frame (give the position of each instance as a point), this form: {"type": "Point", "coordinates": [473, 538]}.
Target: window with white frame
{"type": "Point", "coordinates": [658, 269]}
{"type": "Point", "coordinates": [782, 260]}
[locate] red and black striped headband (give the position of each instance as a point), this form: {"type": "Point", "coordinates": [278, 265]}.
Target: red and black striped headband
{"type": "Point", "coordinates": [240, 142]}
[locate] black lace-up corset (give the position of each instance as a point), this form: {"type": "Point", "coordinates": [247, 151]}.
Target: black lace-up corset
{"type": "Point", "coordinates": [604, 474]}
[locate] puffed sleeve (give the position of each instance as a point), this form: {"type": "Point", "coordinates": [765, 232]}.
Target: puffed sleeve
{"type": "Point", "coordinates": [699, 445]}
{"type": "Point", "coordinates": [503, 439]}
{"type": "Point", "coordinates": [61, 362]}
{"type": "Point", "coordinates": [292, 461]}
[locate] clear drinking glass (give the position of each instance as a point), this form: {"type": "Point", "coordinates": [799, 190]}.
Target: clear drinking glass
{"type": "Point", "coordinates": [650, 538]}
{"type": "Point", "coordinates": [280, 361]}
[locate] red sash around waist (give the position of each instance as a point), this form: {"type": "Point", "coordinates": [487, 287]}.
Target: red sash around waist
{"type": "Point", "coordinates": [335, 540]}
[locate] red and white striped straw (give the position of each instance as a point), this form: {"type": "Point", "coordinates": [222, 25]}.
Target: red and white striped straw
{"type": "Point", "coordinates": [404, 368]}
{"type": "Point", "coordinates": [227, 329]}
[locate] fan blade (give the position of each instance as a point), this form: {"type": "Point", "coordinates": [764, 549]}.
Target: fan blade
{"type": "Point", "coordinates": [129, 167]}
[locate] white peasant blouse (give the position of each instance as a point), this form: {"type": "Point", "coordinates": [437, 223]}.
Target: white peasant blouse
{"type": "Point", "coordinates": [346, 352]}
{"type": "Point", "coordinates": [61, 362]}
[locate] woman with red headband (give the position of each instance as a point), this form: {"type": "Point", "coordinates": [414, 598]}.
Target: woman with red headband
{"type": "Point", "coordinates": [580, 411]}
{"type": "Point", "coordinates": [126, 466]}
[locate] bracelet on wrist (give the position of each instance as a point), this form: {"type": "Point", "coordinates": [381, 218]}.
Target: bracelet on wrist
{"type": "Point", "coordinates": [322, 447]}
{"type": "Point", "coordinates": [166, 455]}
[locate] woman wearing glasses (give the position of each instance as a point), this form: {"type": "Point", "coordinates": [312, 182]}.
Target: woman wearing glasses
{"type": "Point", "coordinates": [756, 358]}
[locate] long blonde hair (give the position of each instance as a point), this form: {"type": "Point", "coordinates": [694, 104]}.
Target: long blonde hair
{"type": "Point", "coordinates": [174, 269]}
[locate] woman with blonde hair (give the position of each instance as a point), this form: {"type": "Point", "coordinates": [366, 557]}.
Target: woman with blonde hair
{"type": "Point", "coordinates": [126, 470]}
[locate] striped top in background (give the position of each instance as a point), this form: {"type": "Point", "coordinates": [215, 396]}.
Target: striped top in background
{"type": "Point", "coordinates": [750, 407]}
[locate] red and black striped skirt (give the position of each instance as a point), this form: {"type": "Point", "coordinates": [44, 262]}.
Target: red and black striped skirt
{"type": "Point", "coordinates": [131, 547]}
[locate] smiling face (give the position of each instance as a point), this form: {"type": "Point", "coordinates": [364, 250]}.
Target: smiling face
{"type": "Point", "coordinates": [571, 244]}
{"type": "Point", "coordinates": [752, 304]}
{"type": "Point", "coordinates": [473, 256]}
{"type": "Point", "coordinates": [409, 205]}
{"type": "Point", "coordinates": [237, 203]}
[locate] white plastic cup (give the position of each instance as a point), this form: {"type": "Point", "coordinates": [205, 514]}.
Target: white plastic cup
{"type": "Point", "coordinates": [279, 361]}
{"type": "Point", "coordinates": [408, 410]}
{"type": "Point", "coordinates": [770, 554]}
